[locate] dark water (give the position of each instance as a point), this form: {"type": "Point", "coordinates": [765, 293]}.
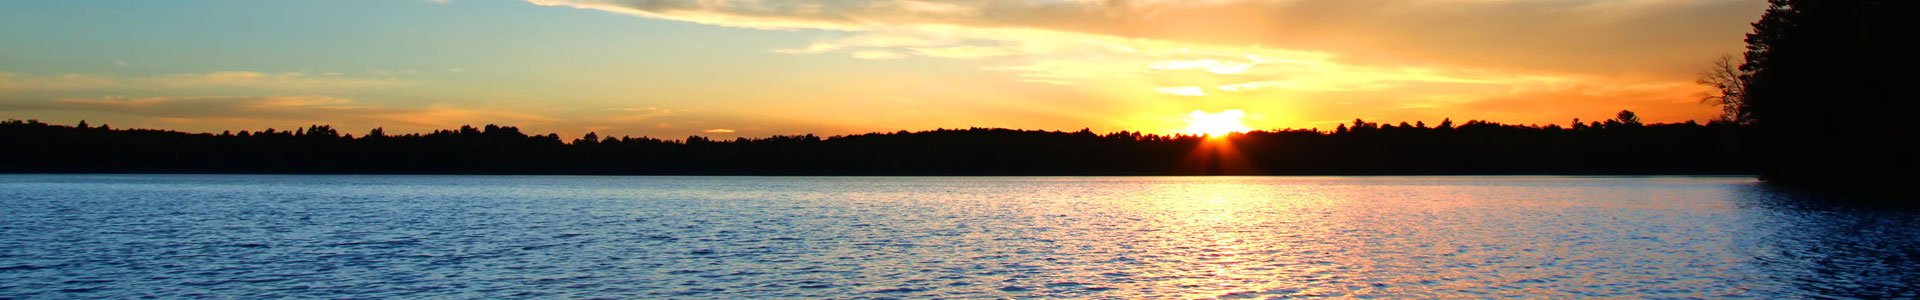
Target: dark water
{"type": "Point", "coordinates": [199, 236]}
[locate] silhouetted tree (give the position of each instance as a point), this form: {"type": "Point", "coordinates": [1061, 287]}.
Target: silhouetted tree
{"type": "Point", "coordinates": [590, 138]}
{"type": "Point", "coordinates": [1626, 117]}
{"type": "Point", "coordinates": [1824, 89]}
{"type": "Point", "coordinates": [1730, 88]}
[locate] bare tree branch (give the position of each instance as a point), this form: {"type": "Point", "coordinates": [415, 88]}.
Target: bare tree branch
{"type": "Point", "coordinates": [1730, 85]}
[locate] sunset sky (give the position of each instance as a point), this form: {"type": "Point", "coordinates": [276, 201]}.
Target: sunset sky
{"type": "Point", "coordinates": [726, 68]}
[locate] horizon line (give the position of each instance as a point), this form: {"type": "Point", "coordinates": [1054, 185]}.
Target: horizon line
{"type": "Point", "coordinates": [301, 130]}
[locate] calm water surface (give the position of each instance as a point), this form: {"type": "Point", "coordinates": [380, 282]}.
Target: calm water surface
{"type": "Point", "coordinates": [242, 236]}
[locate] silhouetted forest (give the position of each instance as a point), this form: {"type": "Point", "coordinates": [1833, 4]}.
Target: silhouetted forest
{"type": "Point", "coordinates": [1619, 146]}
{"type": "Point", "coordinates": [1827, 86]}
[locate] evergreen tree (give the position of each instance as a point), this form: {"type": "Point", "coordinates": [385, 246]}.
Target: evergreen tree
{"type": "Point", "coordinates": [1821, 91]}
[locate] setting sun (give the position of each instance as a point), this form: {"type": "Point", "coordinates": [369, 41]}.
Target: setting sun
{"type": "Point", "coordinates": [1215, 124]}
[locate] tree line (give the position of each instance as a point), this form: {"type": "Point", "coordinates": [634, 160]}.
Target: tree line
{"type": "Point", "coordinates": [1622, 145]}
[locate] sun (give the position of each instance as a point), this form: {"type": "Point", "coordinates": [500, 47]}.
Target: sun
{"type": "Point", "coordinates": [1215, 124]}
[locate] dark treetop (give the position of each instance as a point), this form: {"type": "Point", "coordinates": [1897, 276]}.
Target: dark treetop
{"type": "Point", "coordinates": [1619, 146]}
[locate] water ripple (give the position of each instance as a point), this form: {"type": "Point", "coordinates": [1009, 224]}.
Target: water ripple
{"type": "Point", "coordinates": [198, 236]}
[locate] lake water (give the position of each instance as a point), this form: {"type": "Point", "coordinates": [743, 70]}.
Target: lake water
{"type": "Point", "coordinates": [249, 237]}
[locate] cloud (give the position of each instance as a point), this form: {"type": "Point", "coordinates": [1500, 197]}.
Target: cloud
{"type": "Point", "coordinates": [875, 54]}
{"type": "Point", "coordinates": [648, 110]}
{"type": "Point", "coordinates": [1569, 35]}
{"type": "Point", "coordinates": [265, 81]}
{"type": "Point", "coordinates": [964, 52]}
{"type": "Point", "coordinates": [862, 41]}
{"type": "Point", "coordinates": [1182, 91]}
{"type": "Point", "coordinates": [1058, 55]}
{"type": "Point", "coordinates": [228, 79]}
{"type": "Point", "coordinates": [1239, 87]}
{"type": "Point", "coordinates": [1429, 56]}
{"type": "Point", "coordinates": [23, 82]}
{"type": "Point", "coordinates": [718, 130]}
{"type": "Point", "coordinates": [1065, 70]}
{"type": "Point", "coordinates": [1214, 66]}
{"type": "Point", "coordinates": [636, 114]}
{"type": "Point", "coordinates": [188, 107]}
{"type": "Point", "coordinates": [303, 109]}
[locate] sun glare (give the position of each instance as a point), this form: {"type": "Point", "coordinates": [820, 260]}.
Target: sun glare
{"type": "Point", "coordinates": [1215, 124]}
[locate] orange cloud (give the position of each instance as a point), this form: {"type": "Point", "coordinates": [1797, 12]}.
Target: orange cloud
{"type": "Point", "coordinates": [1565, 35]}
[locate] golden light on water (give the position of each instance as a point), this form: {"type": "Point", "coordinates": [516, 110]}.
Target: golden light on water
{"type": "Point", "coordinates": [1215, 124]}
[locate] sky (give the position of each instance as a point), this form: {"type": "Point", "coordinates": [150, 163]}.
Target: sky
{"type": "Point", "coordinates": [755, 68]}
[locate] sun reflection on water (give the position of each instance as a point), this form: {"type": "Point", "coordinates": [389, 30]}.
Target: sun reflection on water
{"type": "Point", "coordinates": [1216, 237]}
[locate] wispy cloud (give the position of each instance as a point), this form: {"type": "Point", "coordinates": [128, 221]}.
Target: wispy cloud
{"type": "Point", "coordinates": [1575, 35]}
{"type": "Point", "coordinates": [23, 82]}
{"type": "Point", "coordinates": [875, 54]}
{"type": "Point", "coordinates": [636, 114]}
{"type": "Point", "coordinates": [1070, 70]}
{"type": "Point", "coordinates": [1241, 87]}
{"type": "Point", "coordinates": [209, 106]}
{"type": "Point", "coordinates": [229, 79]}
{"type": "Point", "coordinates": [964, 52]}
{"type": "Point", "coordinates": [1055, 54]}
{"type": "Point", "coordinates": [1211, 65]}
{"type": "Point", "coordinates": [303, 109]}
{"type": "Point", "coordinates": [267, 80]}
{"type": "Point", "coordinates": [1182, 91]}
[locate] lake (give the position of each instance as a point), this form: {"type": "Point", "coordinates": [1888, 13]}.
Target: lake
{"type": "Point", "coordinates": [271, 236]}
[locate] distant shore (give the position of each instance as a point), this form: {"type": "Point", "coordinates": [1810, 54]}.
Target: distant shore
{"type": "Point", "coordinates": [1365, 148]}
